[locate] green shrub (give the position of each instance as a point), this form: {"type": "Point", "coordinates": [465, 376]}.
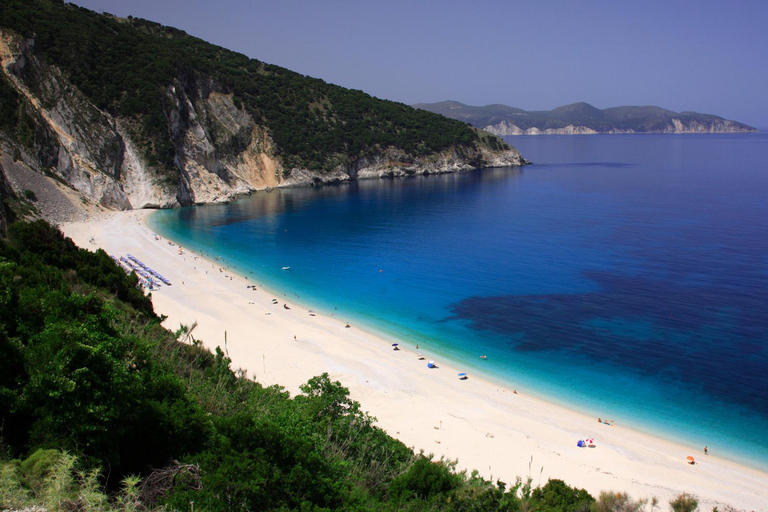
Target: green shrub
{"type": "Point", "coordinates": [127, 68]}
{"type": "Point", "coordinates": [684, 503]}
{"type": "Point", "coordinates": [557, 496]}
{"type": "Point", "coordinates": [425, 479]}
{"type": "Point", "coordinates": [617, 502]}
{"type": "Point", "coordinates": [37, 467]}
{"type": "Point", "coordinates": [86, 367]}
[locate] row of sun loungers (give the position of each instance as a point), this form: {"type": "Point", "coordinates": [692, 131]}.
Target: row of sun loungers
{"type": "Point", "coordinates": [149, 277]}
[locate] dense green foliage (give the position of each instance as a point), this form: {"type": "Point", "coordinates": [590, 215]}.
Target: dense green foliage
{"type": "Point", "coordinates": [557, 495]}
{"type": "Point", "coordinates": [72, 378]}
{"type": "Point", "coordinates": [101, 408]}
{"type": "Point", "coordinates": [126, 67]}
{"type": "Point", "coordinates": [86, 367]}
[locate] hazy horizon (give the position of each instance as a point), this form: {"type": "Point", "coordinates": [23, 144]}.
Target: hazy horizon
{"type": "Point", "coordinates": [703, 56]}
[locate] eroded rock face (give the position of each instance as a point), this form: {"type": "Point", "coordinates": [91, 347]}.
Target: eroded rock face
{"type": "Point", "coordinates": [504, 128]}
{"type": "Point", "coordinates": [718, 126]}
{"type": "Point", "coordinates": [74, 141]}
{"type": "Point", "coordinates": [221, 152]}
{"type": "Point", "coordinates": [674, 126]}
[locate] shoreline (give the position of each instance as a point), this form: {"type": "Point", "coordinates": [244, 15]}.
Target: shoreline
{"type": "Point", "coordinates": [639, 417]}
{"type": "Point", "coordinates": [485, 426]}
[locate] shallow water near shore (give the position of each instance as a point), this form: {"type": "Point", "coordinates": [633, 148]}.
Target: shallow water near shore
{"type": "Point", "coordinates": [624, 276]}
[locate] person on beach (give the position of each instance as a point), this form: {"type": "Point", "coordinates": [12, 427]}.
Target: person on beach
{"type": "Point", "coordinates": [706, 452]}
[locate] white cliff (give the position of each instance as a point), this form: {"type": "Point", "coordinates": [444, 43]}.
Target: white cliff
{"type": "Point", "coordinates": [221, 152]}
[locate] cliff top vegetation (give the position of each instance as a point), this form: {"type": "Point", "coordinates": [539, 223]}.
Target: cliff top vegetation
{"type": "Point", "coordinates": [101, 408]}
{"type": "Point", "coordinates": [126, 67]}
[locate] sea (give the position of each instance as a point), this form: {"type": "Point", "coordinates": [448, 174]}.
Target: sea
{"type": "Point", "coordinates": [624, 276]}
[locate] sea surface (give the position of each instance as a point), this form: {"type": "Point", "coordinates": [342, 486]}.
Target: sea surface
{"type": "Point", "coordinates": [625, 276]}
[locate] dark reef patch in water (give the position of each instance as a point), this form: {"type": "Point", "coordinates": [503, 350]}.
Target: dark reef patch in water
{"type": "Point", "coordinates": [651, 327]}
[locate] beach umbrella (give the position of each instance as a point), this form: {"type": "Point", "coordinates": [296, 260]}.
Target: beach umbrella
{"type": "Point", "coordinates": [690, 460]}
{"type": "Point", "coordinates": [394, 344]}
{"type": "Point", "coordinates": [463, 376]}
{"type": "Point", "coordinates": [431, 364]}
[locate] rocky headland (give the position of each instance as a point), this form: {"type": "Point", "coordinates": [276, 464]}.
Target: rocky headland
{"type": "Point", "coordinates": [199, 125]}
{"type": "Point", "coordinates": [584, 119]}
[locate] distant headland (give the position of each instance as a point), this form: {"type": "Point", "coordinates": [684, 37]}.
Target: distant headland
{"type": "Point", "coordinates": [582, 119]}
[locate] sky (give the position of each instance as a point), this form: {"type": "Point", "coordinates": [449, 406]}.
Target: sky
{"type": "Point", "coordinates": [701, 55]}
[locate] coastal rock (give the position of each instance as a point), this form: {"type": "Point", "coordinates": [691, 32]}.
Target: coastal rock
{"type": "Point", "coordinates": [72, 139]}
{"type": "Point", "coordinates": [674, 126]}
{"type": "Point", "coordinates": [584, 119]}
{"type": "Point", "coordinates": [221, 151]}
{"type": "Point", "coordinates": [505, 128]}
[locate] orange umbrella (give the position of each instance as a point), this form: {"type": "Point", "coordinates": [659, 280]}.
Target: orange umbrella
{"type": "Point", "coordinates": [690, 459]}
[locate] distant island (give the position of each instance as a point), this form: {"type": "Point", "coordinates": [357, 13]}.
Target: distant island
{"type": "Point", "coordinates": [583, 118]}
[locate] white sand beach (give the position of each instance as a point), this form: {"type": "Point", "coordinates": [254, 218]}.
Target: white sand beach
{"type": "Point", "coordinates": [500, 433]}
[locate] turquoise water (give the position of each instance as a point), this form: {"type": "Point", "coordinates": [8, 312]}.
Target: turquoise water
{"type": "Point", "coordinates": [624, 276]}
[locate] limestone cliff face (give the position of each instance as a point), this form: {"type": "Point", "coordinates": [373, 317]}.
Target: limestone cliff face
{"type": "Point", "coordinates": [396, 163]}
{"type": "Point", "coordinates": [674, 126]}
{"type": "Point", "coordinates": [74, 141]}
{"type": "Point", "coordinates": [720, 126]}
{"type": "Point", "coordinates": [505, 128]}
{"type": "Point", "coordinates": [221, 152]}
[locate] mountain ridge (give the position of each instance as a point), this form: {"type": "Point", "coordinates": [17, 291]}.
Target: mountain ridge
{"type": "Point", "coordinates": [583, 118]}
{"type": "Point", "coordinates": [129, 113]}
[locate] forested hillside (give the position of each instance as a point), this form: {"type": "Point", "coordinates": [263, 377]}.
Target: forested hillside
{"type": "Point", "coordinates": [103, 409]}
{"type": "Point", "coordinates": [130, 95]}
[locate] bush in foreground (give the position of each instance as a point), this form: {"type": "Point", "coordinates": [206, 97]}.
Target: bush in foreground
{"type": "Point", "coordinates": [103, 409]}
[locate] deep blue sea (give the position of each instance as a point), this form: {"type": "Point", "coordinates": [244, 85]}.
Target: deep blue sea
{"type": "Point", "coordinates": [622, 275]}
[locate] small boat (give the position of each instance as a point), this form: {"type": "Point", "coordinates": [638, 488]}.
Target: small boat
{"type": "Point", "coordinates": [286, 268]}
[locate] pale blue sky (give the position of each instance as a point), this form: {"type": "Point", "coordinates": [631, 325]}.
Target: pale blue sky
{"type": "Point", "coordinates": [706, 56]}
